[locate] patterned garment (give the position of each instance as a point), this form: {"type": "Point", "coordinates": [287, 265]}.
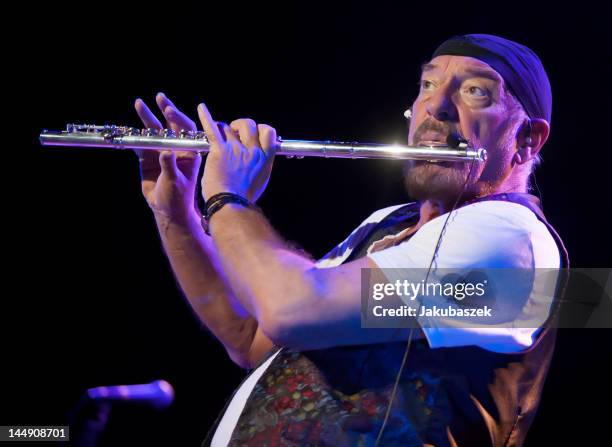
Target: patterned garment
{"type": "Point", "coordinates": [298, 406]}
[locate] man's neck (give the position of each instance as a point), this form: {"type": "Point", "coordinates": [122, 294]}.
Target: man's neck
{"type": "Point", "coordinates": [429, 210]}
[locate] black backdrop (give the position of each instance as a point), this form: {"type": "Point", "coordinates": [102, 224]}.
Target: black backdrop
{"type": "Point", "coordinates": [96, 301]}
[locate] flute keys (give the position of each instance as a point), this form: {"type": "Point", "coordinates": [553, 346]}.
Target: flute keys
{"type": "Point", "coordinates": [85, 128]}
{"type": "Point", "coordinates": [192, 135]}
{"type": "Point", "coordinates": [150, 132]}
{"type": "Point", "coordinates": [108, 132]}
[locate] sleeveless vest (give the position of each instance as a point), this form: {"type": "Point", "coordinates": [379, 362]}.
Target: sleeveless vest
{"type": "Point", "coordinates": [460, 396]}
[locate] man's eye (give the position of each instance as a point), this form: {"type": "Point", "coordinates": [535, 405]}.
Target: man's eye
{"type": "Point", "coordinates": [426, 85]}
{"type": "Point", "coordinates": [476, 91]}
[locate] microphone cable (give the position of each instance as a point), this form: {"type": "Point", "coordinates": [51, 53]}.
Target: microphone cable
{"type": "Point", "coordinates": [409, 342]}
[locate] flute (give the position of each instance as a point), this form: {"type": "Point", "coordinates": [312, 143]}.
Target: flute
{"type": "Point", "coordinates": [123, 137]}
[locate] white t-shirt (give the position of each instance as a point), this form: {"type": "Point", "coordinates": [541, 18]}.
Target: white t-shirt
{"type": "Point", "coordinates": [496, 234]}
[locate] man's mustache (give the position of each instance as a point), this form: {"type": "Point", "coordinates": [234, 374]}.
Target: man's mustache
{"type": "Point", "coordinates": [441, 128]}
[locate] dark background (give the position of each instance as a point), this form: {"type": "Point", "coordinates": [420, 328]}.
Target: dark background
{"type": "Point", "coordinates": [95, 299]}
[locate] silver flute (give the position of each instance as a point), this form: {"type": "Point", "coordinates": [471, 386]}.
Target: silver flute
{"type": "Point", "coordinates": [123, 137]}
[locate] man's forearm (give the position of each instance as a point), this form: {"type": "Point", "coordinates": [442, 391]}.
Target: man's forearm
{"type": "Point", "coordinates": [258, 264]}
{"type": "Point", "coordinates": [191, 255]}
{"type": "Point", "coordinates": [296, 304]}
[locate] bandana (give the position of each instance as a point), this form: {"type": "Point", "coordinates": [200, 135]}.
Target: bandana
{"type": "Point", "coordinates": [520, 68]}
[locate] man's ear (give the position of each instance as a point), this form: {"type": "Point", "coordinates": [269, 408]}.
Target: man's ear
{"type": "Point", "coordinates": [531, 138]}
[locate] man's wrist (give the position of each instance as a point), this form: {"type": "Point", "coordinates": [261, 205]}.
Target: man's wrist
{"type": "Point", "coordinates": [213, 190]}
{"type": "Point", "coordinates": [229, 213]}
{"type": "Point", "coordinates": [221, 200]}
{"type": "Point", "coordinates": [188, 224]}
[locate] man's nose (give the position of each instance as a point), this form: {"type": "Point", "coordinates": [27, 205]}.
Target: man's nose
{"type": "Point", "coordinates": [441, 106]}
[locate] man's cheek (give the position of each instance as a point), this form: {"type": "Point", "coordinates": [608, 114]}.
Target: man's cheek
{"type": "Point", "coordinates": [490, 126]}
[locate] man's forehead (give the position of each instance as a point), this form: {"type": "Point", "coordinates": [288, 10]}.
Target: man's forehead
{"type": "Point", "coordinates": [461, 65]}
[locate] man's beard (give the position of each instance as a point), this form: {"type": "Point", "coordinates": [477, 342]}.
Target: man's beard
{"type": "Point", "coordinates": [442, 182]}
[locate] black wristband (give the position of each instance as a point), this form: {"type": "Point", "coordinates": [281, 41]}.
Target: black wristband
{"type": "Point", "coordinates": [218, 201]}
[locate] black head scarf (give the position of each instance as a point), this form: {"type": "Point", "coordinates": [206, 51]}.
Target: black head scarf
{"type": "Point", "coordinates": [520, 68]}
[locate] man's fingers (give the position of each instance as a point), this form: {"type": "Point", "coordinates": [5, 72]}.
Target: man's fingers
{"type": "Point", "coordinates": [210, 127]}
{"type": "Point", "coordinates": [167, 161]}
{"type": "Point", "coordinates": [193, 168]}
{"type": "Point", "coordinates": [150, 121]}
{"type": "Point", "coordinates": [147, 117]}
{"type": "Point", "coordinates": [163, 101]}
{"type": "Point", "coordinates": [247, 130]}
{"type": "Point", "coordinates": [229, 133]}
{"type": "Point", "coordinates": [178, 120]}
{"type": "Point", "coordinates": [268, 139]}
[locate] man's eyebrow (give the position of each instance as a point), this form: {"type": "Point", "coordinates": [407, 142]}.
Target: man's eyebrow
{"type": "Point", "coordinates": [428, 67]}
{"type": "Point", "coordinates": [483, 73]}
{"type": "Point", "coordinates": [472, 72]}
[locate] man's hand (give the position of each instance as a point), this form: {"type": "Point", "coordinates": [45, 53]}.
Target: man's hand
{"type": "Point", "coordinates": [240, 157]}
{"type": "Point", "coordinates": [168, 177]}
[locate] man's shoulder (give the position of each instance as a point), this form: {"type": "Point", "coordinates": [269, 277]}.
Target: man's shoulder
{"type": "Point", "coordinates": [499, 228]}
{"type": "Point", "coordinates": [493, 221]}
